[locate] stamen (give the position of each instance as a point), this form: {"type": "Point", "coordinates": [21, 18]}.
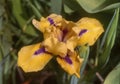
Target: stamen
{"type": "Point", "coordinates": [68, 60]}
{"type": "Point", "coordinates": [39, 51]}
{"type": "Point", "coordinates": [82, 32]}
{"type": "Point", "coordinates": [51, 21]}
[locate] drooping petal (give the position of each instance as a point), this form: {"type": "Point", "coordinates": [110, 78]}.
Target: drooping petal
{"type": "Point", "coordinates": [71, 64]}
{"type": "Point", "coordinates": [55, 47]}
{"type": "Point", "coordinates": [88, 30]}
{"type": "Point", "coordinates": [33, 58]}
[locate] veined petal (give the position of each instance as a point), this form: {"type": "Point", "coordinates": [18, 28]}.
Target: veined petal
{"type": "Point", "coordinates": [55, 47]}
{"type": "Point", "coordinates": [33, 58]}
{"type": "Point", "coordinates": [89, 29]}
{"type": "Point", "coordinates": [71, 64]}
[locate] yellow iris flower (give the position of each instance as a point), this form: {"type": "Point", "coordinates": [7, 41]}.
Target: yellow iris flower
{"type": "Point", "coordinates": [61, 37]}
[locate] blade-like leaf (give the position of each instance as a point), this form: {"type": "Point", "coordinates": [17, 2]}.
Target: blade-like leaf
{"type": "Point", "coordinates": [67, 9]}
{"type": "Point", "coordinates": [34, 9]}
{"type": "Point", "coordinates": [84, 53]}
{"type": "Point", "coordinates": [72, 4]}
{"type": "Point", "coordinates": [109, 39]}
{"type": "Point", "coordinates": [114, 76]}
{"type": "Point", "coordinates": [1, 75]}
{"type": "Point", "coordinates": [56, 6]}
{"type": "Point", "coordinates": [17, 12]}
{"type": "Point", "coordinates": [93, 6]}
{"type": "Point", "coordinates": [74, 80]}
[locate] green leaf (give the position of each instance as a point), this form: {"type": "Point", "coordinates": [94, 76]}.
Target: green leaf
{"type": "Point", "coordinates": [72, 4]}
{"type": "Point", "coordinates": [38, 5]}
{"type": "Point", "coordinates": [5, 41]}
{"type": "Point", "coordinates": [74, 80]}
{"type": "Point", "coordinates": [67, 9]}
{"type": "Point", "coordinates": [56, 6]}
{"type": "Point", "coordinates": [34, 9]}
{"type": "Point", "coordinates": [1, 52]}
{"type": "Point", "coordinates": [14, 75]}
{"type": "Point", "coordinates": [94, 6]}
{"type": "Point", "coordinates": [2, 10]}
{"type": "Point", "coordinates": [18, 12]}
{"type": "Point", "coordinates": [84, 53]}
{"type": "Point", "coordinates": [1, 75]}
{"type": "Point", "coordinates": [109, 39]}
{"type": "Point", "coordinates": [114, 76]}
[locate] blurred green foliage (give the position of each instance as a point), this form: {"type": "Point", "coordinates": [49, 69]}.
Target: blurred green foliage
{"type": "Point", "coordinates": [16, 31]}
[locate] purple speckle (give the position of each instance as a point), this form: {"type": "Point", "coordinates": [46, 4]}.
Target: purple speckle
{"type": "Point", "coordinates": [51, 21]}
{"type": "Point", "coordinates": [68, 60]}
{"type": "Point", "coordinates": [39, 51]}
{"type": "Point", "coordinates": [82, 32]}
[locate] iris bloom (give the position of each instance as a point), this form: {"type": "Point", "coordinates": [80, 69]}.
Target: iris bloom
{"type": "Point", "coordinates": [61, 37]}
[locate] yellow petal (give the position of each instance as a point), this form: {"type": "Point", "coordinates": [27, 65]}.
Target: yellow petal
{"type": "Point", "coordinates": [54, 32]}
{"type": "Point", "coordinates": [72, 67]}
{"type": "Point", "coordinates": [69, 30]}
{"type": "Point", "coordinates": [94, 30]}
{"type": "Point", "coordinates": [52, 20]}
{"type": "Point", "coordinates": [56, 19]}
{"type": "Point", "coordinates": [30, 62]}
{"type": "Point", "coordinates": [72, 43]}
{"type": "Point", "coordinates": [55, 47]}
{"type": "Point", "coordinates": [41, 25]}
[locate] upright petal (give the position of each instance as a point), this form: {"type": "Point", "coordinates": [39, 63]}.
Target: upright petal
{"type": "Point", "coordinates": [49, 23]}
{"type": "Point", "coordinates": [54, 32]}
{"type": "Point", "coordinates": [55, 19]}
{"type": "Point", "coordinates": [71, 64]}
{"type": "Point", "coordinates": [33, 58]}
{"type": "Point", "coordinates": [69, 30]}
{"type": "Point", "coordinates": [41, 25]}
{"type": "Point", "coordinates": [72, 43]}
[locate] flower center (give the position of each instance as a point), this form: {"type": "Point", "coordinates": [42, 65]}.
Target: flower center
{"type": "Point", "coordinates": [39, 51]}
{"type": "Point", "coordinates": [82, 32]}
{"type": "Point", "coordinates": [65, 31]}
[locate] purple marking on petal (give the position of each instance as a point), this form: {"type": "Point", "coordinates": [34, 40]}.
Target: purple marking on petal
{"type": "Point", "coordinates": [51, 21]}
{"type": "Point", "coordinates": [65, 31]}
{"type": "Point", "coordinates": [82, 32]}
{"type": "Point", "coordinates": [39, 51]}
{"type": "Point", "coordinates": [68, 60]}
